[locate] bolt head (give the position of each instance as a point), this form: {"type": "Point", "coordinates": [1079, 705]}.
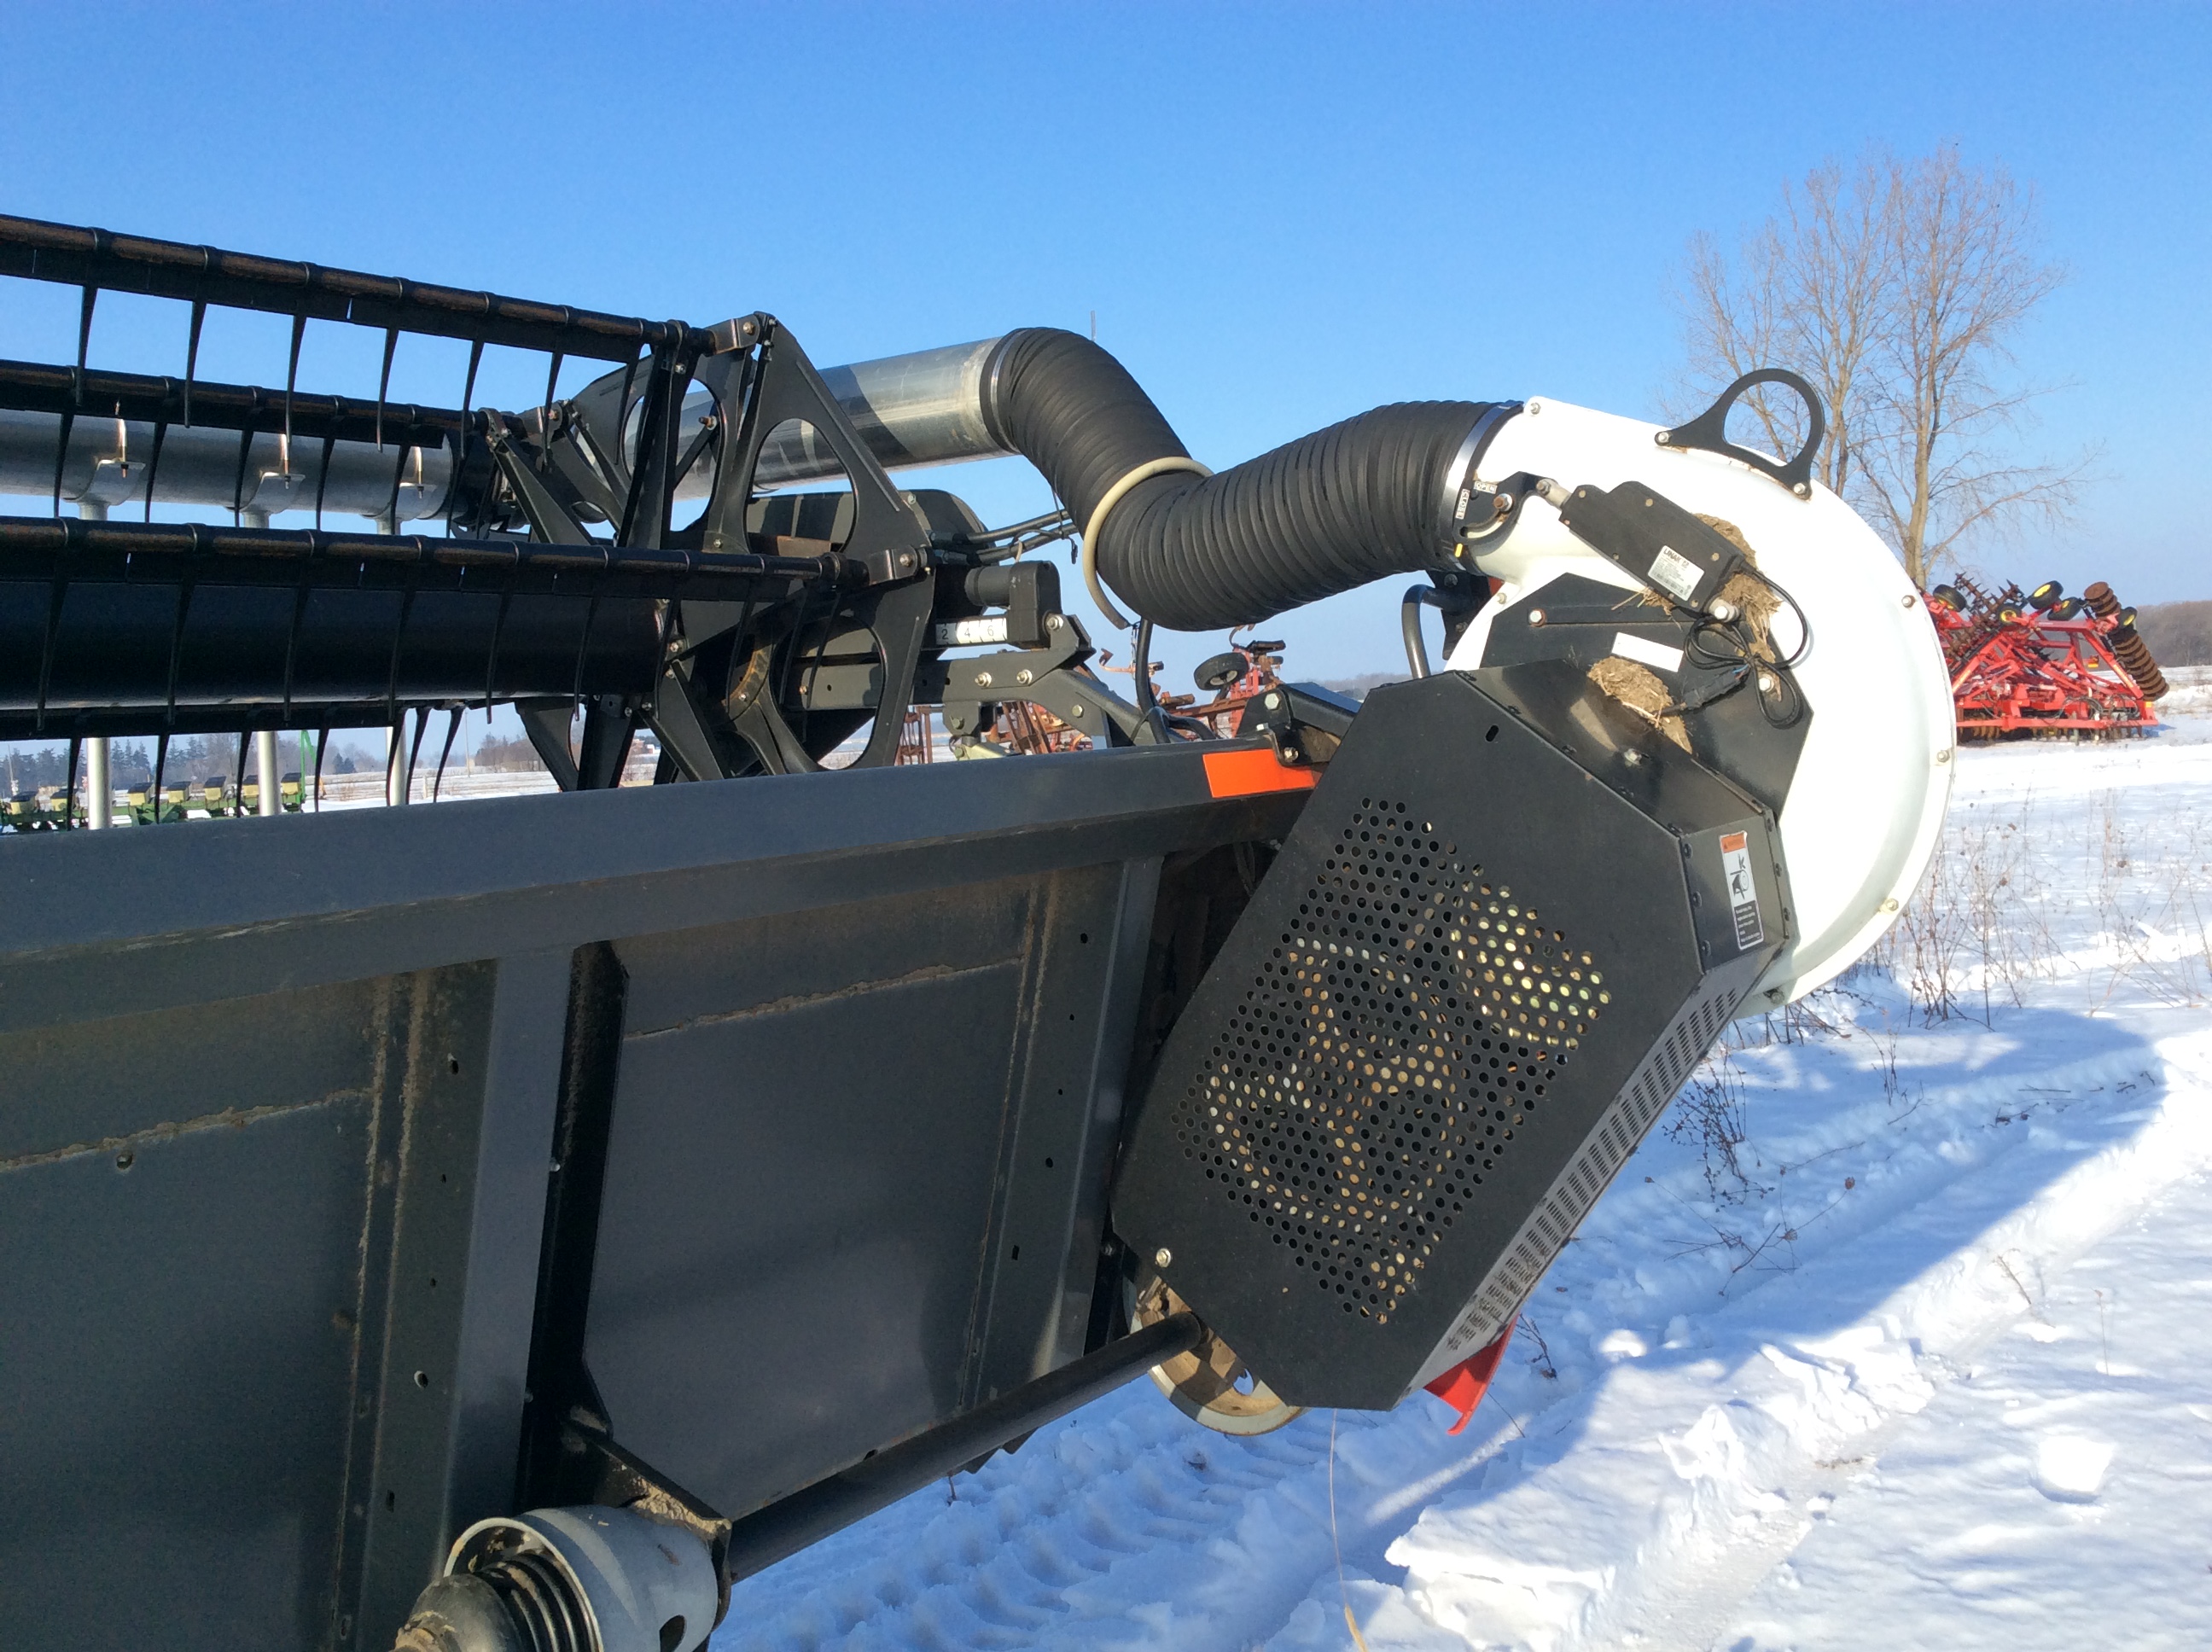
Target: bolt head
{"type": "Point", "coordinates": [1163, 1256]}
{"type": "Point", "coordinates": [1075, 711]}
{"type": "Point", "coordinates": [1535, 616]}
{"type": "Point", "coordinates": [1273, 701]}
{"type": "Point", "coordinates": [1663, 438]}
{"type": "Point", "coordinates": [982, 679]}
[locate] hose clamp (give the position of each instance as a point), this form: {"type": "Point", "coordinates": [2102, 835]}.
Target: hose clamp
{"type": "Point", "coordinates": [1143, 473]}
{"type": "Point", "coordinates": [1463, 468]}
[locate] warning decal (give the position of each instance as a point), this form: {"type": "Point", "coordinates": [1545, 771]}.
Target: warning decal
{"type": "Point", "coordinates": [1743, 894]}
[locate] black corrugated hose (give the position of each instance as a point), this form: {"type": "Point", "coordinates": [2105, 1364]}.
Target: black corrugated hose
{"type": "Point", "coordinates": [1320, 515]}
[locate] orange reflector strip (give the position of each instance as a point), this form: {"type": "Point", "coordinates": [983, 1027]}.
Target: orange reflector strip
{"type": "Point", "coordinates": [1241, 773]}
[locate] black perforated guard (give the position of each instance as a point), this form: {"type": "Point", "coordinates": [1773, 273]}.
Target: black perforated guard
{"type": "Point", "coordinates": [1376, 1123]}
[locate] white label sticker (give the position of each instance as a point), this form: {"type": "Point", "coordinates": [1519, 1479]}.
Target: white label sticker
{"type": "Point", "coordinates": [1645, 651]}
{"type": "Point", "coordinates": [961, 634]}
{"type": "Point", "coordinates": [1742, 892]}
{"type": "Point", "coordinates": [1675, 573]}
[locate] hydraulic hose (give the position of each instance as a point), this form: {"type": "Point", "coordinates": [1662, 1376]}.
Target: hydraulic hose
{"type": "Point", "coordinates": [1370, 497]}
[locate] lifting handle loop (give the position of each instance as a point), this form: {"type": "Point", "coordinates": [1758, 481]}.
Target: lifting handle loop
{"type": "Point", "coordinates": [1708, 431]}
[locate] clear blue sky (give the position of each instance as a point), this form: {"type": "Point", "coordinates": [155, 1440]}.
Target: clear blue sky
{"type": "Point", "coordinates": [1281, 215]}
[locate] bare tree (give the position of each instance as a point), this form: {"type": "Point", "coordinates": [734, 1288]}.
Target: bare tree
{"type": "Point", "coordinates": [1896, 288]}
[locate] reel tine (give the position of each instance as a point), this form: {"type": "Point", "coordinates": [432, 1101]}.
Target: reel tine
{"type": "Point", "coordinates": [154, 462]}
{"type": "Point", "coordinates": [545, 434]}
{"type": "Point", "coordinates": [414, 747]}
{"type": "Point", "coordinates": [394, 735]}
{"type": "Point", "coordinates": [384, 382]}
{"type": "Point", "coordinates": [291, 383]}
{"type": "Point", "coordinates": [468, 394]}
{"type": "Point", "coordinates": [452, 727]}
{"type": "Point", "coordinates": [192, 354]}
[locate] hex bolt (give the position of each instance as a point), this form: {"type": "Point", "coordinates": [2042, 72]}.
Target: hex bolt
{"type": "Point", "coordinates": [1535, 616]}
{"type": "Point", "coordinates": [1163, 1256]}
{"type": "Point", "coordinates": [1273, 701]}
{"type": "Point", "coordinates": [1054, 621]}
{"type": "Point", "coordinates": [1024, 678]}
{"type": "Point", "coordinates": [1075, 711]}
{"type": "Point", "coordinates": [982, 679]}
{"type": "Point", "coordinates": [1633, 758]}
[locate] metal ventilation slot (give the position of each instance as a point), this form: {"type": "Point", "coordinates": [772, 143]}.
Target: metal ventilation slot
{"type": "Point", "coordinates": [1624, 1125]}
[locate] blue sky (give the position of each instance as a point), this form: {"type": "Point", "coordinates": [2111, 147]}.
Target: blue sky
{"type": "Point", "coordinates": [1281, 215]}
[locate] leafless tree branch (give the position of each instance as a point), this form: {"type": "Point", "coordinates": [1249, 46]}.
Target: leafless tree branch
{"type": "Point", "coordinates": [1898, 288]}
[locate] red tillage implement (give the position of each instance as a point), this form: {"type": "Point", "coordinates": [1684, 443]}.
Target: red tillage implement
{"type": "Point", "coordinates": [2045, 663]}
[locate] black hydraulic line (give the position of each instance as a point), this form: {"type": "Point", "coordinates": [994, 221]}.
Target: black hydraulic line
{"type": "Point", "coordinates": [781, 1529]}
{"type": "Point", "coordinates": [1409, 625]}
{"type": "Point", "coordinates": [1369, 497]}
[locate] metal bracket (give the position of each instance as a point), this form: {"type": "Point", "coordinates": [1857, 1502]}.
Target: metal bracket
{"type": "Point", "coordinates": [1708, 432]}
{"type": "Point", "coordinates": [1049, 677]}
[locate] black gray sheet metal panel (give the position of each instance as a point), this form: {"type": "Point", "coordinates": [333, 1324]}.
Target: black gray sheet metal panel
{"type": "Point", "coordinates": [232, 1448]}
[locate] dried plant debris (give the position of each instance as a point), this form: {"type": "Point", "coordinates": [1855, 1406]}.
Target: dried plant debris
{"type": "Point", "coordinates": [1751, 595]}
{"type": "Point", "coordinates": [1638, 688]}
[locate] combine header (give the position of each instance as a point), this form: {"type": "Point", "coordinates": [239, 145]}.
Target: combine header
{"type": "Point", "coordinates": [582, 1201]}
{"type": "Point", "coordinates": [2046, 663]}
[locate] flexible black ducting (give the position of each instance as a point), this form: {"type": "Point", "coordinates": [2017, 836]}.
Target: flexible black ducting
{"type": "Point", "coordinates": [1320, 515]}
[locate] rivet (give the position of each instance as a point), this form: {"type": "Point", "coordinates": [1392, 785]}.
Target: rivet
{"type": "Point", "coordinates": [1909, 601]}
{"type": "Point", "coordinates": [1163, 1256]}
{"type": "Point", "coordinates": [1890, 905]}
{"type": "Point", "coordinates": [1944, 755]}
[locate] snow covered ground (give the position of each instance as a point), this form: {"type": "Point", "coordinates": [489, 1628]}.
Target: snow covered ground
{"type": "Point", "coordinates": [1895, 1334]}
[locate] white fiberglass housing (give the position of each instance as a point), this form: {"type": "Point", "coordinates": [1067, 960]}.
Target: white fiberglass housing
{"type": "Point", "coordinates": [1866, 806]}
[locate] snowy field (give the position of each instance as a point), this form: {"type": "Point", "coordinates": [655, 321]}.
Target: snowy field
{"type": "Point", "coordinates": [1897, 1333]}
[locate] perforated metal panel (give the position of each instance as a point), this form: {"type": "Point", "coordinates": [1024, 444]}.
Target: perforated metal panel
{"type": "Point", "coordinates": [1412, 1013]}
{"type": "Point", "coordinates": [1474, 976]}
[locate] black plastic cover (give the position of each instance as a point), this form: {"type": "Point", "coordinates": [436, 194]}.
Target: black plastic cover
{"type": "Point", "coordinates": [1496, 943]}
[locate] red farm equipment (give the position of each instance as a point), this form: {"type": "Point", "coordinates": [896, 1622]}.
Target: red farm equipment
{"type": "Point", "coordinates": [2045, 663]}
